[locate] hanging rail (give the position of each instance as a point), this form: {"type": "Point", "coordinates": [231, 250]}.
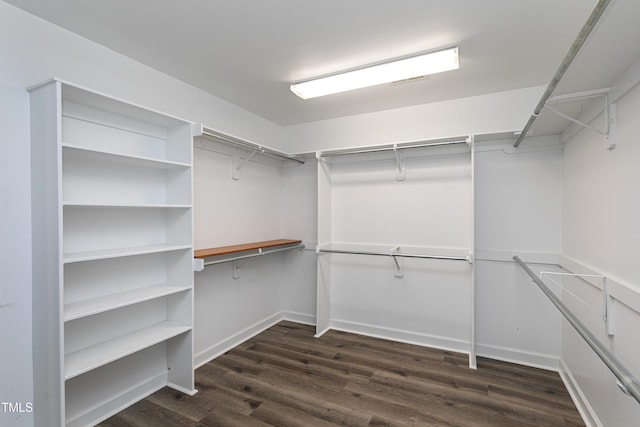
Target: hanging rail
{"type": "Point", "coordinates": [228, 139]}
{"type": "Point", "coordinates": [625, 379]}
{"type": "Point", "coordinates": [260, 252]}
{"type": "Point", "coordinates": [394, 254]}
{"type": "Point", "coordinates": [591, 22]}
{"type": "Point", "coordinates": [393, 147]}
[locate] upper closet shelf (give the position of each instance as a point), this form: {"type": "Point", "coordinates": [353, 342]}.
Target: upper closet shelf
{"type": "Point", "coordinates": [395, 147]}
{"type": "Point", "coordinates": [237, 161]}
{"type": "Point", "coordinates": [247, 145]}
{"type": "Point", "coordinates": [397, 150]}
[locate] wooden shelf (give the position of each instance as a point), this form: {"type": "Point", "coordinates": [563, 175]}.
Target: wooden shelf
{"type": "Point", "coordinates": [233, 249]}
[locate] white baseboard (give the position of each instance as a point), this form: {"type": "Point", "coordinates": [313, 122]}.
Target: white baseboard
{"type": "Point", "coordinates": [409, 337]}
{"type": "Point", "coordinates": [302, 318]}
{"type": "Point", "coordinates": [234, 340]}
{"type": "Point", "coordinates": [585, 409]}
{"type": "Point", "coordinates": [119, 402]}
{"type": "Point", "coordinates": [505, 354]}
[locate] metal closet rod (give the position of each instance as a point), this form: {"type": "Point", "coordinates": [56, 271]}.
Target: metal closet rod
{"type": "Point", "coordinates": [390, 254]}
{"type": "Point", "coordinates": [626, 381]}
{"type": "Point", "coordinates": [588, 26]}
{"type": "Point", "coordinates": [221, 137]}
{"type": "Point", "coordinates": [393, 147]}
{"type": "Point", "coordinates": [255, 254]}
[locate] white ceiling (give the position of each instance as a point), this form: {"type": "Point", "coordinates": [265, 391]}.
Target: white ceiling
{"type": "Point", "coordinates": [249, 51]}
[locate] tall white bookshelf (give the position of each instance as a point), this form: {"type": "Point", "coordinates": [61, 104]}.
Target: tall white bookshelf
{"type": "Point", "coordinates": [112, 254]}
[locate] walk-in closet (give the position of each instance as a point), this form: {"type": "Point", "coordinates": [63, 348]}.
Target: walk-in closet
{"type": "Point", "coordinates": [232, 214]}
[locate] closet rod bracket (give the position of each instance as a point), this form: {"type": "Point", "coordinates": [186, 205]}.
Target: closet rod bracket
{"type": "Point", "coordinates": [399, 271]}
{"type": "Point", "coordinates": [470, 141]}
{"type": "Point", "coordinates": [400, 170]}
{"type": "Point", "coordinates": [238, 163]}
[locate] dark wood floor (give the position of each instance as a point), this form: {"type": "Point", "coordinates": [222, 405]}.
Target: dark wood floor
{"type": "Point", "coordinates": [286, 377]}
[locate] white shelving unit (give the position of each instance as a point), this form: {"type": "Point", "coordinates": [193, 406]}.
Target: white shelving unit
{"type": "Point", "coordinates": [113, 249]}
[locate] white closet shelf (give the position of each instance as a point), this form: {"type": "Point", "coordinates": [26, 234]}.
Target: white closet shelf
{"type": "Point", "coordinates": [93, 357]}
{"type": "Point", "coordinates": [120, 252]}
{"type": "Point", "coordinates": [101, 304]}
{"type": "Point", "coordinates": [122, 205]}
{"type": "Point", "coordinates": [124, 159]}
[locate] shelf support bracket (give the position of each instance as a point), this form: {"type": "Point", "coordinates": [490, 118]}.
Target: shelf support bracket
{"type": "Point", "coordinates": [608, 308]}
{"type": "Point", "coordinates": [400, 170]}
{"type": "Point", "coordinates": [399, 271]}
{"type": "Point", "coordinates": [612, 120]}
{"type": "Point", "coordinates": [236, 270]}
{"type": "Point", "coordinates": [236, 266]}
{"type": "Point", "coordinates": [238, 163]}
{"type": "Point", "coordinates": [610, 132]}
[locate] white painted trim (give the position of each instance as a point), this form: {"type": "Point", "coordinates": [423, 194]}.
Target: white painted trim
{"type": "Point", "coordinates": [409, 337]}
{"type": "Point", "coordinates": [303, 318]}
{"type": "Point", "coordinates": [585, 409]}
{"type": "Point", "coordinates": [535, 360]}
{"type": "Point", "coordinates": [507, 256]}
{"type": "Point", "coordinates": [119, 402]}
{"type": "Point", "coordinates": [227, 344]}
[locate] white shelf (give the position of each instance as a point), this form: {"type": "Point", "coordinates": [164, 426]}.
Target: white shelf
{"type": "Point", "coordinates": [122, 205]}
{"type": "Point", "coordinates": [90, 358]}
{"type": "Point", "coordinates": [120, 252]}
{"type": "Point", "coordinates": [92, 306]}
{"type": "Point", "coordinates": [139, 161]}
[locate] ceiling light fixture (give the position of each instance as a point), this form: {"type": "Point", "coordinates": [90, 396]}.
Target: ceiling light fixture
{"type": "Point", "coordinates": [388, 72]}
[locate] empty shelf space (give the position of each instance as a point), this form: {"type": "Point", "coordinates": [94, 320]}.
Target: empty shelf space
{"type": "Point", "coordinates": [101, 304]}
{"type": "Point", "coordinates": [139, 161]}
{"type": "Point", "coordinates": [120, 252]}
{"type": "Point", "coordinates": [84, 360]}
{"type": "Point", "coordinates": [233, 249]}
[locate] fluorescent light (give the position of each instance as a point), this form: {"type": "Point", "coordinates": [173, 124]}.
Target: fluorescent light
{"type": "Point", "coordinates": [403, 69]}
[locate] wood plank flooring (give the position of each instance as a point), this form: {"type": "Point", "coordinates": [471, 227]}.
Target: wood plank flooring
{"type": "Point", "coordinates": [286, 377]}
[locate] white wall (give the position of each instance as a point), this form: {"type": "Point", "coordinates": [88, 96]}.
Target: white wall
{"type": "Point", "coordinates": [16, 375]}
{"type": "Point", "coordinates": [484, 114]}
{"type": "Point", "coordinates": [34, 50]}
{"type": "Point", "coordinates": [269, 201]}
{"type": "Point", "coordinates": [429, 212]}
{"type": "Point", "coordinates": [298, 220]}
{"type": "Point", "coordinates": [518, 212]}
{"type": "Point", "coordinates": [601, 232]}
